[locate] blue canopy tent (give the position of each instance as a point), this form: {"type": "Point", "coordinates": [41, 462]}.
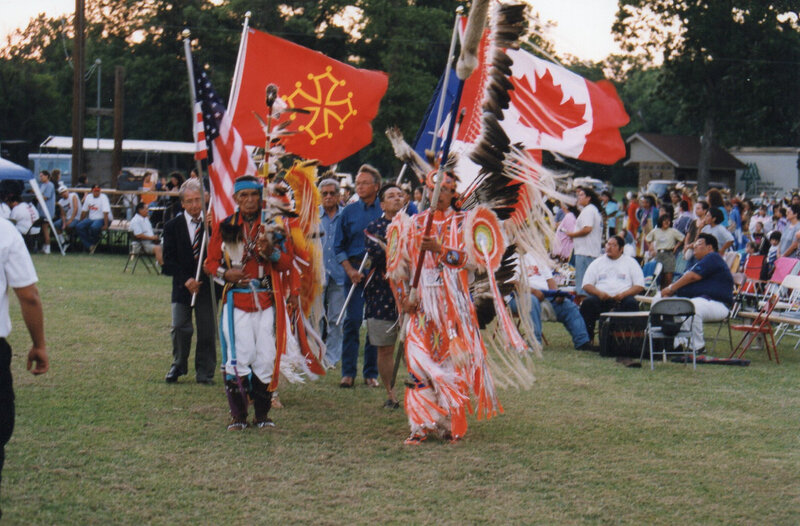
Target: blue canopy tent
{"type": "Point", "coordinates": [9, 170]}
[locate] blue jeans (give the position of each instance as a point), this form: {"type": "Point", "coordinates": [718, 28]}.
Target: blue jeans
{"type": "Point", "coordinates": [566, 312]}
{"type": "Point", "coordinates": [89, 231]}
{"type": "Point", "coordinates": [350, 339]}
{"type": "Point", "coordinates": [581, 264]}
{"type": "Point", "coordinates": [333, 299]}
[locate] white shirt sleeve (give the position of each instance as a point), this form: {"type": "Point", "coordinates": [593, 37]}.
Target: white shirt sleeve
{"type": "Point", "coordinates": [17, 264]}
{"type": "Point", "coordinates": [637, 276]}
{"type": "Point", "coordinates": [590, 276]}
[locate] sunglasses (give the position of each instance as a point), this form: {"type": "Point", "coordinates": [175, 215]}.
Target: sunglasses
{"type": "Point", "coordinates": [328, 193]}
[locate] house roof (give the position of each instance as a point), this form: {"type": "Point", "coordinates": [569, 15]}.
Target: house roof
{"type": "Point", "coordinates": [684, 151]}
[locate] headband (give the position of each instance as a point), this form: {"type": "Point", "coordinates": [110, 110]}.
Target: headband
{"type": "Point", "coordinates": [247, 184]}
{"type": "Point", "coordinates": [449, 180]}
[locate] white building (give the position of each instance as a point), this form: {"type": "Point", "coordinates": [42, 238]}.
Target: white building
{"type": "Point", "coordinates": [777, 168]}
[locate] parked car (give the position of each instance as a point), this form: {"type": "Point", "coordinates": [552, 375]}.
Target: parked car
{"type": "Point", "coordinates": [595, 184]}
{"type": "Point", "coordinates": [661, 187]}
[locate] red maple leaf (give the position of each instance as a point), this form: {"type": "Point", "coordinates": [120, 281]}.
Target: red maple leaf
{"type": "Point", "coordinates": [542, 109]}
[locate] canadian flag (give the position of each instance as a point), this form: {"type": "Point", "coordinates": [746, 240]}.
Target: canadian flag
{"type": "Point", "coordinates": [554, 109]}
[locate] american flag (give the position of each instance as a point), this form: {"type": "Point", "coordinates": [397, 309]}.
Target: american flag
{"type": "Point", "coordinates": [227, 157]}
{"type": "Point", "coordinates": [200, 146]}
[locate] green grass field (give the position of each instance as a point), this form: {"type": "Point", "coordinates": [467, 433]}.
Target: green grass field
{"type": "Point", "coordinates": [101, 439]}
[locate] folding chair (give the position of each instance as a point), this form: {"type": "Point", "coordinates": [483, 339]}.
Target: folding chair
{"type": "Point", "coordinates": [748, 290]}
{"type": "Point", "coordinates": [760, 326]}
{"type": "Point", "coordinates": [136, 253]}
{"type": "Point", "coordinates": [651, 271]}
{"type": "Point", "coordinates": [665, 322]}
{"type": "Point", "coordinates": [732, 259]}
{"type": "Point", "coordinates": [789, 309]}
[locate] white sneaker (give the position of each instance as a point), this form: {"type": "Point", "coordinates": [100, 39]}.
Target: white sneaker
{"type": "Point", "coordinates": [46, 249]}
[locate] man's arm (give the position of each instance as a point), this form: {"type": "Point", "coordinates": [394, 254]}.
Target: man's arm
{"type": "Point", "coordinates": [632, 291]}
{"type": "Point", "coordinates": [580, 233]}
{"type": "Point", "coordinates": [31, 306]}
{"type": "Point", "coordinates": [340, 243]}
{"type": "Point", "coordinates": [687, 278]}
{"type": "Point", "coordinates": [74, 208]}
{"type": "Point", "coordinates": [594, 291]}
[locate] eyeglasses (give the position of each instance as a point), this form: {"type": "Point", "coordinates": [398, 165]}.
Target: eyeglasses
{"type": "Point", "coordinates": [328, 193]}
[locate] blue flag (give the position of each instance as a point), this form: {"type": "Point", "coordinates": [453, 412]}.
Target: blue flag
{"type": "Point", "coordinates": [424, 138]}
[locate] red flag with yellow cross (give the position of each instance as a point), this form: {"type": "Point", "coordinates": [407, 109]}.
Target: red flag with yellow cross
{"type": "Point", "coordinates": [341, 100]}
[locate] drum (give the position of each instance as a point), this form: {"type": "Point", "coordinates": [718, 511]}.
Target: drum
{"type": "Point", "coordinates": [622, 333]}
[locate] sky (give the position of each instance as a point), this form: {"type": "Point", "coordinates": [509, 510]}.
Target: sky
{"type": "Point", "coordinates": [583, 26]}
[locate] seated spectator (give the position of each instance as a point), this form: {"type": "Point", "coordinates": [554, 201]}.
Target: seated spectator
{"type": "Point", "coordinates": [541, 285]}
{"type": "Point", "coordinates": [95, 217]}
{"type": "Point", "coordinates": [142, 231]}
{"type": "Point", "coordinates": [70, 206]}
{"type": "Point", "coordinates": [23, 215]}
{"type": "Point", "coordinates": [612, 281]}
{"type": "Point", "coordinates": [757, 234]}
{"type": "Point", "coordinates": [750, 249]}
{"type": "Point", "coordinates": [664, 241]}
{"type": "Point", "coordinates": [771, 251]}
{"type": "Point", "coordinates": [718, 230]}
{"type": "Point", "coordinates": [708, 284]}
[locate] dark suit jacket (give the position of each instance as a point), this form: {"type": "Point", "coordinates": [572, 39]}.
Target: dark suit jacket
{"type": "Point", "coordinates": [178, 260]}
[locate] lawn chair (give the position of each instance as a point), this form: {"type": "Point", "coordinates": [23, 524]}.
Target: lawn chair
{"type": "Point", "coordinates": [752, 284]}
{"type": "Point", "coordinates": [665, 322]}
{"type": "Point", "coordinates": [761, 326]}
{"type": "Point", "coordinates": [137, 253]}
{"type": "Point", "coordinates": [732, 259]}
{"type": "Point", "coordinates": [789, 309]}
{"type": "Point", "coordinates": [651, 271]}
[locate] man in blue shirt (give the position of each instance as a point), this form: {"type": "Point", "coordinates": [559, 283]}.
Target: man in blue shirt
{"type": "Point", "coordinates": [708, 284]}
{"type": "Point", "coordinates": [350, 249]}
{"type": "Point", "coordinates": [49, 195]}
{"type": "Point", "coordinates": [333, 290]}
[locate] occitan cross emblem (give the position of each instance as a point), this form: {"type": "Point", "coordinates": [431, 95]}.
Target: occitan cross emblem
{"type": "Point", "coordinates": [322, 105]}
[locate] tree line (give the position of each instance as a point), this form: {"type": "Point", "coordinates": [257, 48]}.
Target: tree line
{"type": "Point", "coordinates": [728, 66]}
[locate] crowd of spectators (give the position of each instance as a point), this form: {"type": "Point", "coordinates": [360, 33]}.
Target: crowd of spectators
{"type": "Point", "coordinates": [606, 242]}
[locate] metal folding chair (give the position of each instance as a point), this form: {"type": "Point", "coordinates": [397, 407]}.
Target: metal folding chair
{"type": "Point", "coordinates": [136, 253]}
{"type": "Point", "coordinates": [651, 271]}
{"type": "Point", "coordinates": [761, 326]}
{"type": "Point", "coordinates": [790, 308]}
{"type": "Point", "coordinates": [666, 321]}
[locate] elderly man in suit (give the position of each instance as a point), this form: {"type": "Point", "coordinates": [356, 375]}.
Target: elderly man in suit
{"type": "Point", "coordinates": [182, 242]}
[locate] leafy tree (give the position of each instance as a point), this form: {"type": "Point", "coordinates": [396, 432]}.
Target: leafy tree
{"type": "Point", "coordinates": [730, 67]}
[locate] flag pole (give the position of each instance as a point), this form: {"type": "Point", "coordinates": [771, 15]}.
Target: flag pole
{"type": "Point", "coordinates": [237, 70]}
{"type": "Point", "coordinates": [187, 49]}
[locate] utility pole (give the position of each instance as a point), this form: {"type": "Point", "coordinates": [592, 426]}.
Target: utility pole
{"type": "Point", "coordinates": [78, 91]}
{"type": "Point", "coordinates": [119, 105]}
{"type": "Point", "coordinates": [99, 64]}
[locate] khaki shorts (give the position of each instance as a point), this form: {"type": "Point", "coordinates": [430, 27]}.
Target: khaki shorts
{"type": "Point", "coordinates": [377, 332]}
{"type": "Point", "coordinates": [148, 247]}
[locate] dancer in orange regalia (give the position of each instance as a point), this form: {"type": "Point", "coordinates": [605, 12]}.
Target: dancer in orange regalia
{"type": "Point", "coordinates": [444, 350]}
